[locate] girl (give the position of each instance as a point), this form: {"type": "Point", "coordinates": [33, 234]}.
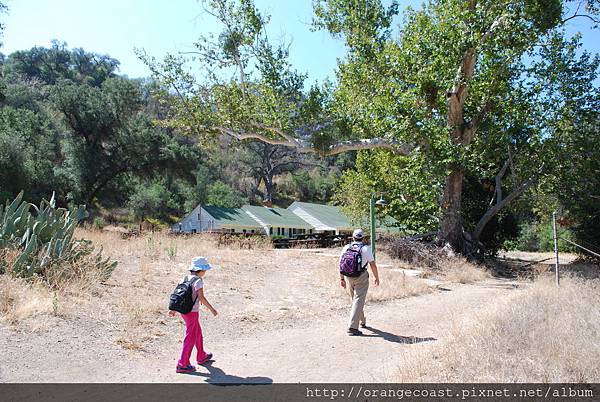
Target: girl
{"type": "Point", "coordinates": [193, 332]}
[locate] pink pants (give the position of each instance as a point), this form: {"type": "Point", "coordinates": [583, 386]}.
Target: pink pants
{"type": "Point", "coordinates": [193, 337]}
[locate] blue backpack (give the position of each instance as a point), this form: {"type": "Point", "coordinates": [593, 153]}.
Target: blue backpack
{"type": "Point", "coordinates": [351, 261]}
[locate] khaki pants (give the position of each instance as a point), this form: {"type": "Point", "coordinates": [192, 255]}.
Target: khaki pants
{"type": "Point", "coordinates": [357, 289]}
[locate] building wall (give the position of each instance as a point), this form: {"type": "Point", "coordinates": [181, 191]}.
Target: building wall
{"type": "Point", "coordinates": [196, 221]}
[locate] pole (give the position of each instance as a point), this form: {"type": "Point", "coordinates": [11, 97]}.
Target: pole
{"type": "Point", "coordinates": [555, 247]}
{"type": "Point", "coordinates": [372, 222]}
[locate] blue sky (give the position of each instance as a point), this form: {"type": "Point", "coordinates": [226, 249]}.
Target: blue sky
{"type": "Point", "coordinates": [116, 27]}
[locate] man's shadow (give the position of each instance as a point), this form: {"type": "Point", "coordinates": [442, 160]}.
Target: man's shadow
{"type": "Point", "coordinates": [396, 338]}
{"type": "Point", "coordinates": [217, 376]}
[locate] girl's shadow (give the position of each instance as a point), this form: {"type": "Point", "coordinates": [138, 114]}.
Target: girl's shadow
{"type": "Point", "coordinates": [217, 376]}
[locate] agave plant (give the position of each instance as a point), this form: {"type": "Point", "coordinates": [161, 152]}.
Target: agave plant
{"type": "Point", "coordinates": [44, 237]}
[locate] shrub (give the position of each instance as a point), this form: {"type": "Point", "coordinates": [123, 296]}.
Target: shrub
{"type": "Point", "coordinates": [539, 236]}
{"type": "Point", "coordinates": [220, 194]}
{"type": "Point", "coordinates": [154, 201]}
{"type": "Point", "coordinates": [42, 243]}
{"type": "Point", "coordinates": [99, 223]}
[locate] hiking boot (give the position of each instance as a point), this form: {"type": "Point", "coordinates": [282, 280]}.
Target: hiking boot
{"type": "Point", "coordinates": [354, 332]}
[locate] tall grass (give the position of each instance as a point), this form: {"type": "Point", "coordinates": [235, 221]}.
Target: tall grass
{"type": "Point", "coordinates": [458, 270]}
{"type": "Point", "coordinates": [23, 299]}
{"type": "Point", "coordinates": [546, 334]}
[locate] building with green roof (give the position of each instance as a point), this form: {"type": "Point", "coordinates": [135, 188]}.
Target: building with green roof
{"type": "Point", "coordinates": [216, 219]}
{"type": "Point", "coordinates": [299, 218]}
{"type": "Point", "coordinates": [278, 221]}
{"type": "Point", "coordinates": [323, 218]}
{"type": "Point", "coordinates": [330, 219]}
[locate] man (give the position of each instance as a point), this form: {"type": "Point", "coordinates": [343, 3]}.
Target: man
{"type": "Point", "coordinates": [359, 285]}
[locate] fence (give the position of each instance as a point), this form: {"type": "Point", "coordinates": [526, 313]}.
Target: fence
{"type": "Point", "coordinates": [556, 237]}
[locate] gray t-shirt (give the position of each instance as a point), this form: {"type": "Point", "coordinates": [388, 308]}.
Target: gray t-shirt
{"type": "Point", "coordinates": [197, 284]}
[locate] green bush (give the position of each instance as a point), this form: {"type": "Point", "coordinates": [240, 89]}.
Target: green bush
{"type": "Point", "coordinates": [220, 194]}
{"type": "Point", "coordinates": [539, 236]}
{"type": "Point", "coordinates": [99, 223]}
{"type": "Point", "coordinates": [153, 201]}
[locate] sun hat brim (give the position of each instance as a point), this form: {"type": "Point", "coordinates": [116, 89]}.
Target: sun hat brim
{"type": "Point", "coordinates": [203, 267]}
{"type": "Point", "coordinates": [199, 264]}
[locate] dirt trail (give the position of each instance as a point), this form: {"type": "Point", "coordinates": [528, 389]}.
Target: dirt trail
{"type": "Point", "coordinates": [282, 318]}
{"type": "Point", "coordinates": [322, 352]}
{"type": "Point", "coordinates": [311, 349]}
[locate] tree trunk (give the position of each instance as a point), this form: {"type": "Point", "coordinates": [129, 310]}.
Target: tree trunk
{"type": "Point", "coordinates": [451, 228]}
{"type": "Point", "coordinates": [269, 187]}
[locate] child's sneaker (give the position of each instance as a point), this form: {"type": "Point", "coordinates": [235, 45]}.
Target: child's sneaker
{"type": "Point", "coordinates": [185, 369]}
{"type": "Point", "coordinates": [206, 358]}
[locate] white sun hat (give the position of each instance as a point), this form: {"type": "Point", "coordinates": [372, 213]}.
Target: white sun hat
{"type": "Point", "coordinates": [358, 234]}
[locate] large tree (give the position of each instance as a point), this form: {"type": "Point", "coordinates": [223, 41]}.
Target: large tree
{"type": "Point", "coordinates": [454, 87]}
{"type": "Point", "coordinates": [70, 124]}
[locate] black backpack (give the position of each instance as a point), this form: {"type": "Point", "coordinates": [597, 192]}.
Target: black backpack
{"type": "Point", "coordinates": [181, 298]}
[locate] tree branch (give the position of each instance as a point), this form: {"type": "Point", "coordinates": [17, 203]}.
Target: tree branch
{"type": "Point", "coordinates": [490, 213]}
{"type": "Point", "coordinates": [275, 130]}
{"type": "Point", "coordinates": [305, 147]}
{"type": "Point", "coordinates": [575, 15]}
{"type": "Point", "coordinates": [476, 122]}
{"type": "Point", "coordinates": [496, 208]}
{"type": "Point", "coordinates": [457, 95]}
{"type": "Point", "coordinates": [595, 20]}
{"type": "Point", "coordinates": [499, 176]}
{"type": "Point", "coordinates": [493, 28]}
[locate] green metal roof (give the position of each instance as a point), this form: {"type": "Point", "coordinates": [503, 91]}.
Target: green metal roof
{"type": "Point", "coordinates": [231, 217]}
{"type": "Point", "coordinates": [277, 217]}
{"type": "Point", "coordinates": [329, 215]}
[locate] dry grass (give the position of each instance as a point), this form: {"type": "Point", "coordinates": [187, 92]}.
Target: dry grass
{"type": "Point", "coordinates": [434, 261]}
{"type": "Point", "coordinates": [459, 270]}
{"type": "Point", "coordinates": [129, 344]}
{"type": "Point", "coordinates": [542, 335]}
{"type": "Point", "coordinates": [580, 269]}
{"type": "Point", "coordinates": [58, 293]}
{"type": "Point", "coordinates": [21, 300]}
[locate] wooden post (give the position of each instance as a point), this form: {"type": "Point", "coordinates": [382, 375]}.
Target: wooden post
{"type": "Point", "coordinates": [555, 248]}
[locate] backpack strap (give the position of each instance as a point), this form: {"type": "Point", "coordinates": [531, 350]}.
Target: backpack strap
{"type": "Point", "coordinates": [361, 244]}
{"type": "Point", "coordinates": [364, 267]}
{"type": "Point", "coordinates": [191, 282]}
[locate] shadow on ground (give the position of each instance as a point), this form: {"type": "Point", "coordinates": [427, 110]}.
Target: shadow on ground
{"type": "Point", "coordinates": [217, 376]}
{"type": "Point", "coordinates": [388, 336]}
